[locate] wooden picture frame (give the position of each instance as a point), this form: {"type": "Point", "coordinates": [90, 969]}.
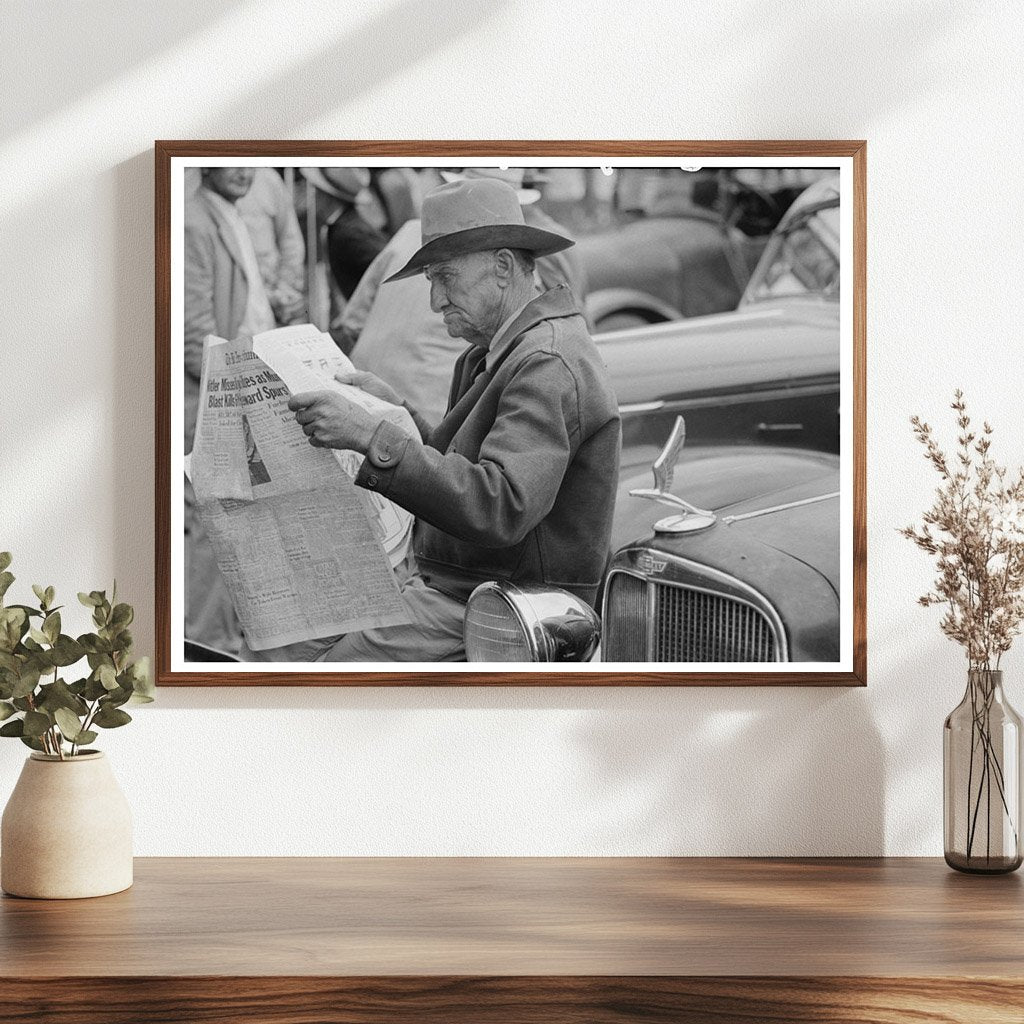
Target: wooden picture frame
{"type": "Point", "coordinates": [849, 157]}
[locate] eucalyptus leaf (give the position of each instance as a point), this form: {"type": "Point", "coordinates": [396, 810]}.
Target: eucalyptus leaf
{"type": "Point", "coordinates": [94, 689]}
{"type": "Point", "coordinates": [111, 718]}
{"type": "Point", "coordinates": [38, 635]}
{"type": "Point", "coordinates": [89, 600]}
{"type": "Point", "coordinates": [50, 594]}
{"type": "Point", "coordinates": [59, 695]}
{"type": "Point", "coordinates": [6, 710]}
{"type": "Point", "coordinates": [5, 560]}
{"type": "Point", "coordinates": [27, 682]}
{"type": "Point", "coordinates": [67, 651]}
{"type": "Point", "coordinates": [115, 698]}
{"type": "Point", "coordinates": [87, 736]}
{"type": "Point", "coordinates": [107, 676]}
{"type": "Point", "coordinates": [40, 592]}
{"type": "Point", "coordinates": [122, 616]}
{"type": "Point", "coordinates": [51, 626]}
{"type": "Point", "coordinates": [68, 722]}
{"type": "Point", "coordinates": [9, 662]}
{"type": "Point", "coordinates": [15, 728]}
{"type": "Point", "coordinates": [36, 723]}
{"type": "Point", "coordinates": [142, 678]}
{"type": "Point", "coordinates": [22, 703]}
{"type": "Point", "coordinates": [31, 741]}
{"type": "Point", "coordinates": [13, 623]}
{"type": "Point", "coordinates": [96, 645]}
{"type": "Point", "coordinates": [29, 610]}
{"type": "Point", "coordinates": [6, 579]}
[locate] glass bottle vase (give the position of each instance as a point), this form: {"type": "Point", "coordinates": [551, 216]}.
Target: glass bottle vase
{"type": "Point", "coordinates": [981, 774]}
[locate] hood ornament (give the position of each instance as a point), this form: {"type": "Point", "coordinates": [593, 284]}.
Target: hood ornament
{"type": "Point", "coordinates": [691, 518]}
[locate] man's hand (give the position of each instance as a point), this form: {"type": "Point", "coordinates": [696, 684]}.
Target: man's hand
{"type": "Point", "coordinates": [371, 384]}
{"type": "Point", "coordinates": [331, 421]}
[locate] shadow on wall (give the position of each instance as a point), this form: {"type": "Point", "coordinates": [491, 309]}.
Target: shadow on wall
{"type": "Point", "coordinates": [693, 771]}
{"type": "Point", "coordinates": [395, 38]}
{"type": "Point", "coordinates": [131, 395]}
{"type": "Point", "coordinates": [741, 771]}
{"type": "Point", "coordinates": [806, 82]}
{"type": "Point", "coordinates": [117, 35]}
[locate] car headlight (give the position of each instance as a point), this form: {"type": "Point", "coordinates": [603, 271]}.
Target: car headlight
{"type": "Point", "coordinates": [508, 622]}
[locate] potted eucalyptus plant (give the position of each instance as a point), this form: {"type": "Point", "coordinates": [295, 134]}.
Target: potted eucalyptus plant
{"type": "Point", "coordinates": [66, 830]}
{"type": "Point", "coordinates": [975, 532]}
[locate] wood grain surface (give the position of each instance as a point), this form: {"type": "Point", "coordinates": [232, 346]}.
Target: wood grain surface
{"type": "Point", "coordinates": [567, 940]}
{"type": "Point", "coordinates": [165, 150]}
{"type": "Point", "coordinates": [520, 1000]}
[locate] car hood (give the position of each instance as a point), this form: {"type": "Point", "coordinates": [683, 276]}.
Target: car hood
{"type": "Point", "coordinates": [736, 483]}
{"type": "Point", "coordinates": [724, 353]}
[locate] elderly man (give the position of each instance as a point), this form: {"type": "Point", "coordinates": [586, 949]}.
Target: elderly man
{"type": "Point", "coordinates": [397, 336]}
{"type": "Point", "coordinates": [517, 482]}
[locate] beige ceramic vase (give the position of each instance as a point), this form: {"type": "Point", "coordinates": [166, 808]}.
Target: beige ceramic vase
{"type": "Point", "coordinates": [67, 830]}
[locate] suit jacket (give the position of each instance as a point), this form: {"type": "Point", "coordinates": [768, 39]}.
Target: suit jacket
{"type": "Point", "coordinates": [216, 292]}
{"type": "Point", "coordinates": [518, 481]}
{"type": "Point", "coordinates": [352, 245]}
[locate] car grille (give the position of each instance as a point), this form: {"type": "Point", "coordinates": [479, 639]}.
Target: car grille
{"type": "Point", "coordinates": [689, 625]}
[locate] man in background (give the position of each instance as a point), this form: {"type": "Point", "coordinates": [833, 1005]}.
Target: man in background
{"type": "Point", "coordinates": [350, 242]}
{"type": "Point", "coordinates": [224, 290]}
{"type": "Point", "coordinates": [224, 296]}
{"type": "Point", "coordinates": [268, 211]}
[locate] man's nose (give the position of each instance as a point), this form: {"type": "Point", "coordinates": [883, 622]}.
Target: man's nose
{"type": "Point", "coordinates": [437, 297]}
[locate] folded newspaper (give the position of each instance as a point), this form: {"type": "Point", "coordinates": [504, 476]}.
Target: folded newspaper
{"type": "Point", "coordinates": [304, 552]}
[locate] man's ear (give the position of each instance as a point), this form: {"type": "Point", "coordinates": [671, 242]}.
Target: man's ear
{"type": "Point", "coordinates": [504, 267]}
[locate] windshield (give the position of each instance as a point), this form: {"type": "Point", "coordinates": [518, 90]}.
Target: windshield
{"type": "Point", "coordinates": [800, 260]}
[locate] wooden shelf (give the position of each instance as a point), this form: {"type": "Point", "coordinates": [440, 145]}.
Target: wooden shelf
{"type": "Point", "coordinates": [526, 939]}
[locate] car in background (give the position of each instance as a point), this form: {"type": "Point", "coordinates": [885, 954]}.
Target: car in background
{"type": "Point", "coordinates": [765, 373]}
{"type": "Point", "coordinates": [687, 248]}
{"type": "Point", "coordinates": [733, 555]}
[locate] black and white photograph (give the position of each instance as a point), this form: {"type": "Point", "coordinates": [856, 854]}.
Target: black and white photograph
{"type": "Point", "coordinates": [571, 418]}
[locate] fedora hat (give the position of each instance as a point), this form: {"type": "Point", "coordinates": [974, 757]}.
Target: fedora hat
{"type": "Point", "coordinates": [510, 175]}
{"type": "Point", "coordinates": [341, 182]}
{"type": "Point", "coordinates": [473, 215]}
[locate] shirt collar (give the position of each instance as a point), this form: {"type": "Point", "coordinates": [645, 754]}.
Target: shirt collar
{"type": "Point", "coordinates": [502, 338]}
{"type": "Point", "coordinates": [554, 303]}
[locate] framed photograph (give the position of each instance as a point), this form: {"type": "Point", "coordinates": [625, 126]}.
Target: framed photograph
{"type": "Point", "coordinates": [492, 413]}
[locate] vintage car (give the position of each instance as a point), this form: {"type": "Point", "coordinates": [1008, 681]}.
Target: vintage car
{"type": "Point", "coordinates": [685, 252]}
{"type": "Point", "coordinates": [746, 566]}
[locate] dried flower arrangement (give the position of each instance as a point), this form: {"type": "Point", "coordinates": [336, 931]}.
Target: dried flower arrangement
{"type": "Point", "coordinates": [975, 530]}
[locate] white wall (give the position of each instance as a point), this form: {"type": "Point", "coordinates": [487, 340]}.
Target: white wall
{"type": "Point", "coordinates": [937, 90]}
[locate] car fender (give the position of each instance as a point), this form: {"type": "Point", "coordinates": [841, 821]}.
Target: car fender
{"type": "Point", "coordinates": [646, 307]}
